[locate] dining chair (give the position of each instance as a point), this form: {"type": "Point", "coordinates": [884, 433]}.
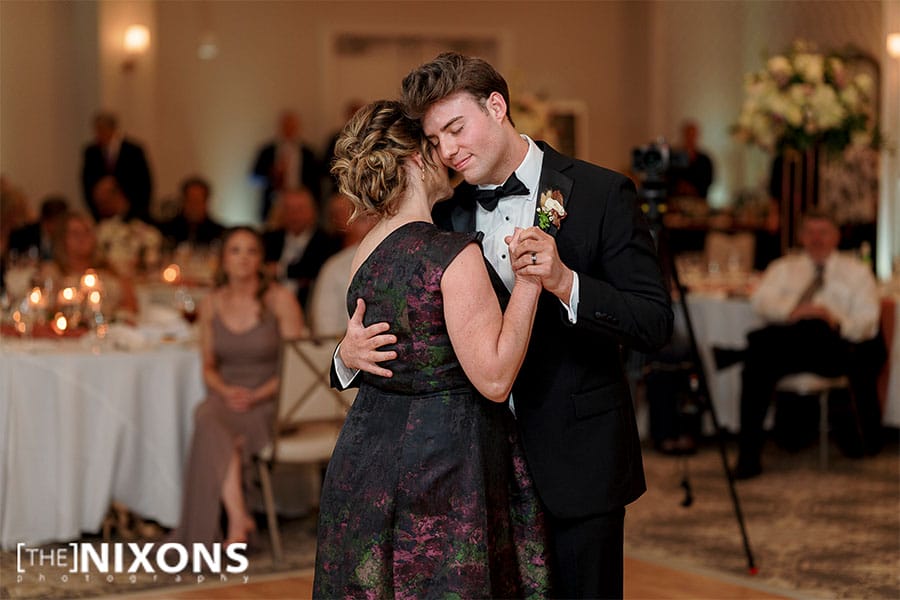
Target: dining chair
{"type": "Point", "coordinates": [309, 418]}
{"type": "Point", "coordinates": [811, 384]}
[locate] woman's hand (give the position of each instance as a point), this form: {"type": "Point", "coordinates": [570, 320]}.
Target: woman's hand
{"type": "Point", "coordinates": [239, 399]}
{"type": "Point", "coordinates": [515, 249]}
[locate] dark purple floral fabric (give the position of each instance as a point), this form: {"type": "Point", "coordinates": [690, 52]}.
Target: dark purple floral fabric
{"type": "Point", "coordinates": [427, 494]}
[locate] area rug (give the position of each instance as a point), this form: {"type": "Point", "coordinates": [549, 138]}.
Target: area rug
{"type": "Point", "coordinates": [812, 533]}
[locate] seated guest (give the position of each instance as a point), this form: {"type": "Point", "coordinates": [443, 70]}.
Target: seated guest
{"type": "Point", "coordinates": [37, 238]}
{"type": "Point", "coordinates": [822, 307]}
{"type": "Point", "coordinates": [193, 225]}
{"type": "Point", "coordinates": [328, 303]}
{"type": "Point", "coordinates": [337, 217]}
{"type": "Point", "coordinates": [242, 323]}
{"type": "Point", "coordinates": [296, 251]}
{"type": "Point", "coordinates": [74, 253]}
{"type": "Point", "coordinates": [128, 244]}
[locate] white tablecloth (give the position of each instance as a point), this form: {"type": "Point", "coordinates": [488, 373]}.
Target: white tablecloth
{"type": "Point", "coordinates": [722, 322]}
{"type": "Point", "coordinates": [725, 322]}
{"type": "Point", "coordinates": [79, 429]}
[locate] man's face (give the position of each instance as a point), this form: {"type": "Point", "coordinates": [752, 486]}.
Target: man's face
{"type": "Point", "coordinates": [195, 201]}
{"type": "Point", "coordinates": [819, 238]}
{"type": "Point", "coordinates": [469, 137]}
{"type": "Point", "coordinates": [299, 212]}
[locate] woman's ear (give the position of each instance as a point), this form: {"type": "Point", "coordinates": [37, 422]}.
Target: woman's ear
{"type": "Point", "coordinates": [417, 160]}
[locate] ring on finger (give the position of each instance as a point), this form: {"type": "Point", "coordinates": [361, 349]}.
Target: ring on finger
{"type": "Point", "coordinates": [534, 258]}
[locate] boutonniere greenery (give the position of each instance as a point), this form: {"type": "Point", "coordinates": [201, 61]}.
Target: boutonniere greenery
{"type": "Point", "coordinates": [550, 209]}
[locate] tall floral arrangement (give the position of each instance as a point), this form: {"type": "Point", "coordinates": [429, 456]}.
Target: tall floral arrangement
{"type": "Point", "coordinates": [803, 98]}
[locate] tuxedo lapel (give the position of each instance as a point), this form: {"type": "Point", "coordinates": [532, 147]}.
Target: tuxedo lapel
{"type": "Point", "coordinates": [553, 178]}
{"type": "Point", "coordinates": [462, 217]}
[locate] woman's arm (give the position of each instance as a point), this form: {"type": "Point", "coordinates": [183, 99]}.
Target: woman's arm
{"type": "Point", "coordinates": [490, 344]}
{"type": "Point", "coordinates": [286, 309]}
{"type": "Point", "coordinates": [211, 376]}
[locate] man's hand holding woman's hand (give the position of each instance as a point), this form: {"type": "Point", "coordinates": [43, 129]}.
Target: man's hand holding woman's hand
{"type": "Point", "coordinates": [533, 254]}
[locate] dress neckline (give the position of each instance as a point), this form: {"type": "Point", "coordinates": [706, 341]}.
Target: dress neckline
{"type": "Point", "coordinates": [259, 322]}
{"type": "Point", "coordinates": [380, 244]}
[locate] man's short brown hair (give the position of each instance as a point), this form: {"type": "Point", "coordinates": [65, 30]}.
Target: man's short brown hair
{"type": "Point", "coordinates": [448, 73]}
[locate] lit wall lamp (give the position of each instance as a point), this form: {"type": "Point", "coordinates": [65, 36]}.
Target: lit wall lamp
{"type": "Point", "coordinates": [893, 44]}
{"type": "Point", "coordinates": [135, 43]}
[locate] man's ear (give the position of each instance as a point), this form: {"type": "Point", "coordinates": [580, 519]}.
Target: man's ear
{"type": "Point", "coordinates": [496, 106]}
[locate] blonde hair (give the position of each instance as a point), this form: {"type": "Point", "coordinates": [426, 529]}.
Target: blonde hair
{"type": "Point", "coordinates": [369, 157]}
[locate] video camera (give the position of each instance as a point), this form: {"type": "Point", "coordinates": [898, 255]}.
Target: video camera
{"type": "Point", "coordinates": [654, 160]}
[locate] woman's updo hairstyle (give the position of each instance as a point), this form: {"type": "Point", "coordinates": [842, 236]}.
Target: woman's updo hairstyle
{"type": "Point", "coordinates": [369, 157]}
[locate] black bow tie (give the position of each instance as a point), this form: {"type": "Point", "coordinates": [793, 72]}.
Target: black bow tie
{"type": "Point", "coordinates": [488, 198]}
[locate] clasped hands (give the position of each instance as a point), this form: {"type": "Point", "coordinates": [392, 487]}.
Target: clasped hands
{"type": "Point", "coordinates": [809, 310]}
{"type": "Point", "coordinates": [533, 257]}
{"type": "Point", "coordinates": [532, 253]}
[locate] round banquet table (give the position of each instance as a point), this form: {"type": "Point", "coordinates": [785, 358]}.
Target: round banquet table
{"type": "Point", "coordinates": [81, 426]}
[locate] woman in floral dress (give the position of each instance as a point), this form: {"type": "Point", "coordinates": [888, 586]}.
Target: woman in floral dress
{"type": "Point", "coordinates": [427, 493]}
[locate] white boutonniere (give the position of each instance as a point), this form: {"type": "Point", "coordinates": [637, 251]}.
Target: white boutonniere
{"type": "Point", "coordinates": [550, 209]}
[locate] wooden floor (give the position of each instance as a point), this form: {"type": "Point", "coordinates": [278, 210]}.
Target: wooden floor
{"type": "Point", "coordinates": [643, 580]}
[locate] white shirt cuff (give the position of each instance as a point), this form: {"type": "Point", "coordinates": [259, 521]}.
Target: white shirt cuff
{"type": "Point", "coordinates": [345, 374]}
{"type": "Point", "coordinates": [572, 306]}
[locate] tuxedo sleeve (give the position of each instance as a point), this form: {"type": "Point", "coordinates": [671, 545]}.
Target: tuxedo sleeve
{"type": "Point", "coordinates": [622, 293]}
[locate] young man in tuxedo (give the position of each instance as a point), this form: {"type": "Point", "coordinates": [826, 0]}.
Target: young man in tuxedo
{"type": "Point", "coordinates": [602, 290]}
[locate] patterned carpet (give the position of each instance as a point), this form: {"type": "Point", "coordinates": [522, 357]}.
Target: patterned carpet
{"type": "Point", "coordinates": [813, 535]}
{"type": "Point", "coordinates": [833, 534]}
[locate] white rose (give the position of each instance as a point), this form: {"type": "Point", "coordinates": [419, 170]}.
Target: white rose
{"type": "Point", "coordinates": [550, 204]}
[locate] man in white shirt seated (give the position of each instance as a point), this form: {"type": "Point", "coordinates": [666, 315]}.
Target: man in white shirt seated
{"type": "Point", "coordinates": [822, 307]}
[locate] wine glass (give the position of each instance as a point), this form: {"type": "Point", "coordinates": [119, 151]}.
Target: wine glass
{"type": "Point", "coordinates": [187, 306]}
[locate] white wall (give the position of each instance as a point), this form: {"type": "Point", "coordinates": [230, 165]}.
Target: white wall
{"type": "Point", "coordinates": [640, 67]}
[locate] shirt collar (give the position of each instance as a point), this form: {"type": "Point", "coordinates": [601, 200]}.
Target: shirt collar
{"type": "Point", "coordinates": [529, 170]}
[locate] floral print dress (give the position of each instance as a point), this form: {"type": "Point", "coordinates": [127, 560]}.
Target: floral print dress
{"type": "Point", "coordinates": [427, 494]}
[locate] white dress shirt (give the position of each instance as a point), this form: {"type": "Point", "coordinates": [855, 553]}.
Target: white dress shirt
{"type": "Point", "coordinates": [512, 212]}
{"type": "Point", "coordinates": [849, 292]}
{"type": "Point", "coordinates": [294, 246]}
{"type": "Point", "coordinates": [289, 154]}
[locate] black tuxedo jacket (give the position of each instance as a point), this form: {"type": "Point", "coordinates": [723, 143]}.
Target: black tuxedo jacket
{"type": "Point", "coordinates": [27, 237]}
{"type": "Point", "coordinates": [572, 398]}
{"type": "Point", "coordinates": [305, 269]}
{"type": "Point", "coordinates": [178, 230]}
{"type": "Point", "coordinates": [309, 176]}
{"type": "Point", "coordinates": [131, 172]}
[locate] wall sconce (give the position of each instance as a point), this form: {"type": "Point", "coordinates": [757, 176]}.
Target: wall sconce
{"type": "Point", "coordinates": [893, 44]}
{"type": "Point", "coordinates": [135, 43]}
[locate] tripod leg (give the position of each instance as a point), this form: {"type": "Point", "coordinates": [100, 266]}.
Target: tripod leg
{"type": "Point", "coordinates": [703, 389]}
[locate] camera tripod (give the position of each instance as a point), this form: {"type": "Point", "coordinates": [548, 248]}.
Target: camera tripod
{"type": "Point", "coordinates": [652, 194]}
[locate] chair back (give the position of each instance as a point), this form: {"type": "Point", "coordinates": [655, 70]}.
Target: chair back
{"type": "Point", "coordinates": [305, 395]}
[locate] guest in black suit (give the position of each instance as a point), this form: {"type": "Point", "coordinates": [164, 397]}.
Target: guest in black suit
{"type": "Point", "coordinates": [297, 250]}
{"type": "Point", "coordinates": [38, 237]}
{"type": "Point", "coordinates": [286, 163]}
{"type": "Point", "coordinates": [602, 290]}
{"type": "Point", "coordinates": [193, 225]}
{"type": "Point", "coordinates": [113, 154]}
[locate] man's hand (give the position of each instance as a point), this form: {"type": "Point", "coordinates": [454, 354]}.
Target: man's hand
{"type": "Point", "coordinates": [535, 254]}
{"type": "Point", "coordinates": [813, 311]}
{"type": "Point", "coordinates": [359, 348]}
